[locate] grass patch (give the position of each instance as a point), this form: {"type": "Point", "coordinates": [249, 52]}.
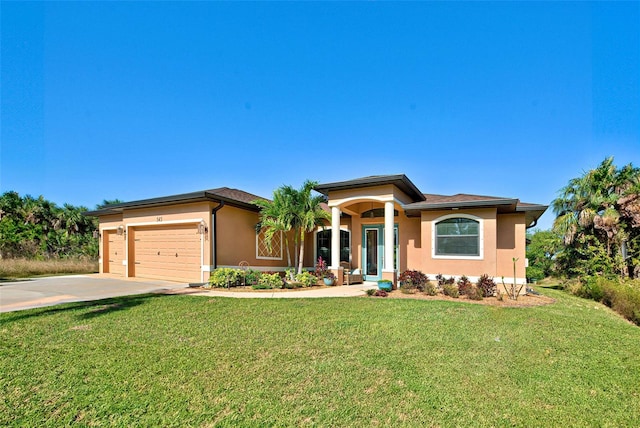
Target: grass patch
{"type": "Point", "coordinates": [157, 360]}
{"type": "Point", "coordinates": [24, 268]}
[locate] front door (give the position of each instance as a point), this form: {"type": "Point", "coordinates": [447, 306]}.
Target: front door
{"type": "Point", "coordinates": [373, 251]}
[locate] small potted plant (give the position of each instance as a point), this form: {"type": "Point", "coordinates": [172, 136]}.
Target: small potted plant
{"type": "Point", "coordinates": [329, 278]}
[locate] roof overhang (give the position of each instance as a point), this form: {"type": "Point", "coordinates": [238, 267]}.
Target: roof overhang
{"type": "Point", "coordinates": [503, 206]}
{"type": "Point", "coordinates": [184, 198]}
{"type": "Point", "coordinates": [532, 213]}
{"type": "Point", "coordinates": [400, 181]}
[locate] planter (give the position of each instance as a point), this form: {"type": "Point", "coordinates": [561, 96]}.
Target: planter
{"type": "Point", "coordinates": [385, 285]}
{"type": "Point", "coordinates": [328, 281]}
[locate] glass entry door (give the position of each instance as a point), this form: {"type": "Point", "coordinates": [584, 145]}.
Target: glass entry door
{"type": "Point", "coordinates": [373, 251]}
{"type": "Point", "coordinates": [372, 254]}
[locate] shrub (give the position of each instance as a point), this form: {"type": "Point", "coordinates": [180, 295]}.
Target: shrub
{"type": "Point", "coordinates": [270, 280]}
{"type": "Point", "coordinates": [380, 293]}
{"type": "Point", "coordinates": [535, 273]}
{"type": "Point", "coordinates": [371, 291]}
{"type": "Point", "coordinates": [625, 300]}
{"type": "Point", "coordinates": [450, 290]}
{"type": "Point", "coordinates": [306, 279]}
{"type": "Point", "coordinates": [261, 286]}
{"type": "Point", "coordinates": [225, 277]}
{"type": "Point", "coordinates": [622, 297]}
{"type": "Point", "coordinates": [464, 285]}
{"type": "Point", "coordinates": [321, 268]}
{"type": "Point", "coordinates": [487, 285]}
{"type": "Point", "coordinates": [291, 284]}
{"type": "Point", "coordinates": [430, 289]}
{"type": "Point", "coordinates": [408, 288]}
{"type": "Point", "coordinates": [593, 288]}
{"type": "Point", "coordinates": [413, 279]}
{"type": "Point", "coordinates": [251, 277]}
{"type": "Point", "coordinates": [442, 281]}
{"type": "Point", "coordinates": [474, 293]}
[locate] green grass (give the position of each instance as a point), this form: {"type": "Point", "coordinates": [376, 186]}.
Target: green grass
{"type": "Point", "coordinates": [196, 361]}
{"type": "Point", "coordinates": [25, 268]}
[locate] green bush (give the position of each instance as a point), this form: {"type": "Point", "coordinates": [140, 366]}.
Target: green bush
{"type": "Point", "coordinates": [535, 273]}
{"type": "Point", "coordinates": [225, 277]}
{"type": "Point", "coordinates": [270, 280]}
{"type": "Point", "coordinates": [408, 288]}
{"type": "Point", "coordinates": [290, 285]}
{"type": "Point", "coordinates": [450, 290]}
{"type": "Point", "coordinates": [621, 296]}
{"type": "Point", "coordinates": [252, 277]}
{"type": "Point", "coordinates": [371, 291]}
{"type": "Point", "coordinates": [593, 288]}
{"type": "Point", "coordinates": [430, 288]}
{"type": "Point", "coordinates": [261, 286]}
{"type": "Point", "coordinates": [307, 279]}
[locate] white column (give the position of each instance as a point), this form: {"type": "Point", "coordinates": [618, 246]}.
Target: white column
{"type": "Point", "coordinates": [335, 237]}
{"type": "Point", "coordinates": [388, 236]}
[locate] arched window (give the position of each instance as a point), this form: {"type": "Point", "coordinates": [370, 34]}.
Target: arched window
{"type": "Point", "coordinates": [457, 236]}
{"type": "Point", "coordinates": [323, 245]}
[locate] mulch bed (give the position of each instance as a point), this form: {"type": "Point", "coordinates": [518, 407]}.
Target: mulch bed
{"type": "Point", "coordinates": [523, 301]}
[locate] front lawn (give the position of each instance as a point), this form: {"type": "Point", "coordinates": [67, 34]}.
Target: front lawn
{"type": "Point", "coordinates": [160, 360]}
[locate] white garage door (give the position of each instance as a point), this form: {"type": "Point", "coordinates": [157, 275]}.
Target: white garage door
{"type": "Point", "coordinates": [167, 252]}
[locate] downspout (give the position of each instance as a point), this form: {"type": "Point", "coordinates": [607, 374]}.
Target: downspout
{"type": "Point", "coordinates": [535, 223]}
{"type": "Point", "coordinates": [215, 233]}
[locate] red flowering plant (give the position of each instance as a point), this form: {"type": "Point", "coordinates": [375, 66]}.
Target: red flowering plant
{"type": "Point", "coordinates": [322, 271]}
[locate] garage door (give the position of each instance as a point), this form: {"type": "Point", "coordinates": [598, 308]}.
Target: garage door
{"type": "Point", "coordinates": [113, 253]}
{"type": "Point", "coordinates": [167, 252]}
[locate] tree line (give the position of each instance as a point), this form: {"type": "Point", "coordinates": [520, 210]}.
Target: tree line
{"type": "Point", "coordinates": [597, 227]}
{"type": "Point", "coordinates": [37, 228]}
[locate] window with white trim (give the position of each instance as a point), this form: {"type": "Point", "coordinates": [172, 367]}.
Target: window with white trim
{"type": "Point", "coordinates": [266, 250]}
{"type": "Point", "coordinates": [458, 237]}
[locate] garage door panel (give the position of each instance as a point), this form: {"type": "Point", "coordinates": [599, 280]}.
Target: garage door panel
{"type": "Point", "coordinates": [168, 252]}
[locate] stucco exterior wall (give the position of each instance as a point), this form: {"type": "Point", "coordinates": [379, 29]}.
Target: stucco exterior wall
{"type": "Point", "coordinates": [471, 267]}
{"type": "Point", "coordinates": [237, 240]}
{"type": "Point", "coordinates": [107, 226]}
{"type": "Point", "coordinates": [511, 243]}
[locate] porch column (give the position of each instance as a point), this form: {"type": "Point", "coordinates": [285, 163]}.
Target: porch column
{"type": "Point", "coordinates": [335, 244]}
{"type": "Point", "coordinates": [387, 271]}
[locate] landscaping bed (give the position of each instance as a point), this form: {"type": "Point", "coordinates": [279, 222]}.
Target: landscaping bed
{"type": "Point", "coordinates": [524, 300]}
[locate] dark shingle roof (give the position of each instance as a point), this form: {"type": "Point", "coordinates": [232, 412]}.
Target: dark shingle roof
{"type": "Point", "coordinates": [229, 196]}
{"type": "Point", "coordinates": [399, 180]}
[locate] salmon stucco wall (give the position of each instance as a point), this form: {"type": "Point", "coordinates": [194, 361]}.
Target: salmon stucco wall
{"type": "Point", "coordinates": [511, 243]}
{"type": "Point", "coordinates": [236, 237]}
{"type": "Point", "coordinates": [450, 266]}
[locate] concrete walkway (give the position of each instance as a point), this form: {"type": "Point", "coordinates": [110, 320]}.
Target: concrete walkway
{"type": "Point", "coordinates": [340, 291]}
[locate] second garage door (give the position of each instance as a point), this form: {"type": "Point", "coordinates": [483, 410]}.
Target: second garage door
{"type": "Point", "coordinates": [167, 252]}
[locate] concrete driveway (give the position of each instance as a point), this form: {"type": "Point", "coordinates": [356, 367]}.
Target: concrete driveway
{"type": "Point", "coordinates": [39, 292]}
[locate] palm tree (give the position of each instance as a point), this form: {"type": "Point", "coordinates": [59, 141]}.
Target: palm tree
{"type": "Point", "coordinates": [292, 210]}
{"type": "Point", "coordinates": [310, 215]}
{"type": "Point", "coordinates": [600, 203]}
{"type": "Point", "coordinates": [277, 216]}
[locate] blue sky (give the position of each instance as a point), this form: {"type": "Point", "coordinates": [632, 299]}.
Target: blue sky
{"type": "Point", "coordinates": [132, 100]}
